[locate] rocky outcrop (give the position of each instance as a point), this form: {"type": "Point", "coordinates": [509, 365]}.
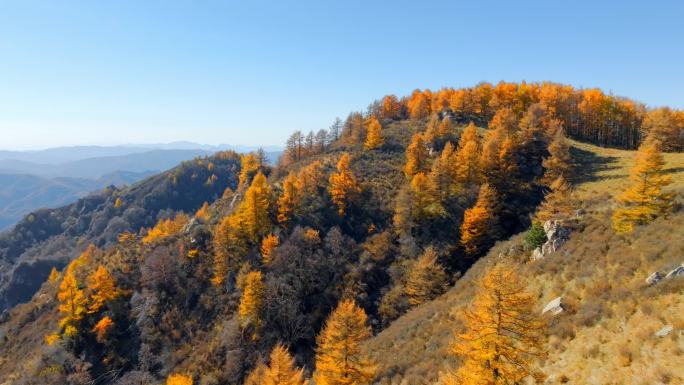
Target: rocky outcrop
{"type": "Point", "coordinates": [657, 276]}
{"type": "Point", "coordinates": [556, 236]}
{"type": "Point", "coordinates": [554, 307]}
{"type": "Point", "coordinates": [664, 331]}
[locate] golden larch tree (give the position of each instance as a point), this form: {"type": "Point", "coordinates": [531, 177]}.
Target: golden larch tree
{"type": "Point", "coordinates": [425, 199]}
{"type": "Point", "coordinates": [558, 203]}
{"type": "Point", "coordinates": [230, 246]}
{"type": "Point", "coordinates": [559, 161]}
{"type": "Point", "coordinates": [282, 369]}
{"type": "Point", "coordinates": [340, 359]}
{"type": "Point", "coordinates": [102, 329]}
{"type": "Point", "coordinates": [645, 199]}
{"type": "Point", "coordinates": [443, 173]}
{"type": "Point", "coordinates": [269, 243]}
{"type": "Point", "coordinates": [504, 334]}
{"type": "Point", "coordinates": [101, 289]}
{"type": "Point", "coordinates": [53, 277]}
{"type": "Point", "coordinates": [288, 202]}
{"type": "Point", "coordinates": [445, 127]}
{"type": "Point", "coordinates": [426, 279]}
{"type": "Point", "coordinates": [416, 156]}
{"type": "Point", "coordinates": [374, 137]}
{"type": "Point", "coordinates": [179, 379]}
{"type": "Point", "coordinates": [467, 160]}
{"type": "Point", "coordinates": [251, 300]}
{"type": "Point", "coordinates": [72, 304]}
{"type": "Point", "coordinates": [343, 185]}
{"type": "Point", "coordinates": [480, 227]}
{"type": "Point", "coordinates": [253, 210]}
{"type": "Point", "coordinates": [249, 165]}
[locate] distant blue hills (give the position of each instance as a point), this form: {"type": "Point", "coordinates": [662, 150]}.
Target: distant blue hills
{"type": "Point", "coordinates": [53, 177]}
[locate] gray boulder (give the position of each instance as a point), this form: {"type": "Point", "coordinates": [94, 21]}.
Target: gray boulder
{"type": "Point", "coordinates": [554, 307]}
{"type": "Point", "coordinates": [664, 331]}
{"type": "Point", "coordinates": [654, 278]}
{"type": "Point", "coordinates": [676, 272]}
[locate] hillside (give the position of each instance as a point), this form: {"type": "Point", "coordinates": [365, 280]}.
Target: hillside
{"type": "Point", "coordinates": [378, 227]}
{"type": "Point", "coordinates": [52, 237]}
{"type": "Point", "coordinates": [606, 335]}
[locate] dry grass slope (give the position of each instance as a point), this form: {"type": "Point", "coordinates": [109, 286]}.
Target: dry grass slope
{"type": "Point", "coordinates": [606, 335]}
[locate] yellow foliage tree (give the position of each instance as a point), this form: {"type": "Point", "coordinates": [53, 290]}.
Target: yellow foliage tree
{"type": "Point", "coordinates": [118, 203]}
{"type": "Point", "coordinates": [53, 277]}
{"type": "Point", "coordinates": [445, 127]}
{"type": "Point", "coordinates": [443, 173]}
{"type": "Point", "coordinates": [416, 156]}
{"type": "Point", "coordinates": [645, 199]}
{"type": "Point", "coordinates": [179, 379]}
{"type": "Point", "coordinates": [467, 160]}
{"type": "Point", "coordinates": [374, 138]}
{"type": "Point", "coordinates": [559, 162]}
{"type": "Point", "coordinates": [503, 336]}
{"type": "Point", "coordinates": [166, 228]}
{"type": "Point", "coordinates": [426, 279]}
{"type": "Point", "coordinates": [203, 212]}
{"type": "Point", "coordinates": [343, 185]}
{"type": "Point", "coordinates": [251, 300]}
{"type": "Point", "coordinates": [101, 288]}
{"type": "Point", "coordinates": [72, 304]}
{"type": "Point", "coordinates": [339, 356]}
{"type": "Point", "coordinates": [425, 198]}
{"type": "Point", "coordinates": [269, 243]}
{"type": "Point", "coordinates": [558, 203]}
{"type": "Point", "coordinates": [288, 202]}
{"type": "Point", "coordinates": [249, 165]}
{"type": "Point", "coordinates": [282, 370]}
{"type": "Point", "coordinates": [480, 227]}
{"type": "Point", "coordinates": [230, 246]}
{"type": "Point", "coordinates": [253, 210]}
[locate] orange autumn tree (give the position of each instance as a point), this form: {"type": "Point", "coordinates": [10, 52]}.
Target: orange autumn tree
{"type": "Point", "coordinates": [253, 210]}
{"type": "Point", "coordinates": [288, 202]}
{"type": "Point", "coordinates": [645, 199]}
{"type": "Point", "coordinates": [101, 288]}
{"type": "Point", "coordinates": [416, 156]}
{"type": "Point", "coordinates": [249, 166]}
{"type": "Point", "coordinates": [425, 198]}
{"type": "Point", "coordinates": [467, 160]}
{"type": "Point", "coordinates": [504, 335]}
{"type": "Point", "coordinates": [166, 228]}
{"type": "Point", "coordinates": [558, 203]}
{"type": "Point", "coordinates": [339, 356]}
{"type": "Point", "coordinates": [480, 227]}
{"type": "Point", "coordinates": [559, 162]}
{"type": "Point", "coordinates": [269, 243]}
{"type": "Point", "coordinates": [179, 379]}
{"type": "Point", "coordinates": [230, 247]}
{"type": "Point", "coordinates": [281, 369]}
{"type": "Point", "coordinates": [443, 173]}
{"type": "Point", "coordinates": [102, 328]}
{"type": "Point", "coordinates": [54, 276]}
{"type": "Point", "coordinates": [343, 185]}
{"type": "Point", "coordinates": [426, 279]}
{"type": "Point", "coordinates": [374, 138]}
{"type": "Point", "coordinates": [251, 301]}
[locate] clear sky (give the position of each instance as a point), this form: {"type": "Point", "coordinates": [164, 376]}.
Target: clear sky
{"type": "Point", "coordinates": [252, 72]}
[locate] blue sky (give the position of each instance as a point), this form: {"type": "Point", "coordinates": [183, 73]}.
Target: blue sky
{"type": "Point", "coordinates": [112, 72]}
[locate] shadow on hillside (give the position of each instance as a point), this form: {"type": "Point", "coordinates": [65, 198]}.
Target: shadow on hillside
{"type": "Point", "coordinates": [673, 170]}
{"type": "Point", "coordinates": [589, 164]}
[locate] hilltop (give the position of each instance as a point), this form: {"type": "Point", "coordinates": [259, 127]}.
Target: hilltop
{"type": "Point", "coordinates": [390, 217]}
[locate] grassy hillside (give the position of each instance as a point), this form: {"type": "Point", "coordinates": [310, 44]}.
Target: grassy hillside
{"type": "Point", "coordinates": [606, 335]}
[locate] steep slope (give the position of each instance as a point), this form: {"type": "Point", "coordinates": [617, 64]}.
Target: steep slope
{"type": "Point", "coordinates": [52, 237]}
{"type": "Point", "coordinates": [606, 334]}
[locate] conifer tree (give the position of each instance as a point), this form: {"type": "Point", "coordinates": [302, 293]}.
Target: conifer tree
{"type": "Point", "coordinates": [251, 301]}
{"type": "Point", "coordinates": [416, 156]}
{"type": "Point", "coordinates": [282, 370]}
{"type": "Point", "coordinates": [253, 210]}
{"type": "Point", "coordinates": [374, 138]}
{"type": "Point", "coordinates": [426, 279]}
{"type": "Point", "coordinates": [559, 161]}
{"type": "Point", "coordinates": [467, 157]}
{"type": "Point", "coordinates": [53, 277]}
{"type": "Point", "coordinates": [425, 198]}
{"type": "Point", "coordinates": [480, 227]}
{"type": "Point", "coordinates": [445, 127]}
{"type": "Point", "coordinates": [101, 288]}
{"type": "Point", "coordinates": [249, 165]}
{"type": "Point", "coordinates": [230, 247]}
{"type": "Point", "coordinates": [343, 185]}
{"type": "Point", "coordinates": [289, 200]}
{"type": "Point", "coordinates": [256, 376]}
{"type": "Point", "coordinates": [503, 336]}
{"type": "Point", "coordinates": [72, 304]}
{"type": "Point", "coordinates": [558, 203]}
{"type": "Point", "coordinates": [269, 243]}
{"type": "Point", "coordinates": [102, 328]}
{"type": "Point", "coordinates": [339, 356]}
{"type": "Point", "coordinates": [645, 199]}
{"type": "Point", "coordinates": [443, 173]}
{"type": "Point", "coordinates": [179, 379]}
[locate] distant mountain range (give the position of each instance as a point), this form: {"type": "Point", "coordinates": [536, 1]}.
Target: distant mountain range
{"type": "Point", "coordinates": [53, 177]}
